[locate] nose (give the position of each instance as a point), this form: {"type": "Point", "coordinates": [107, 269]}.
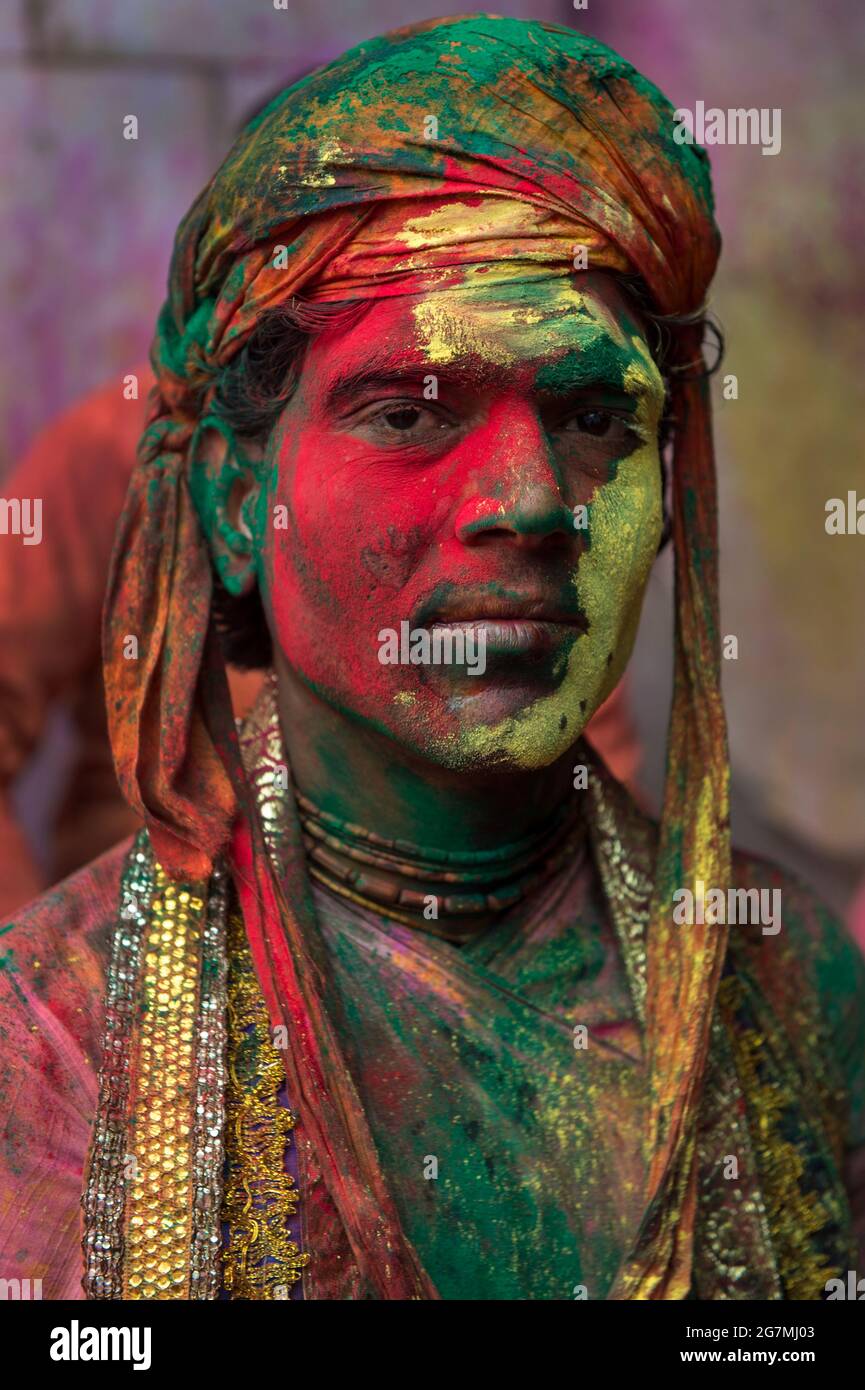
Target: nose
{"type": "Point", "coordinates": [516, 493]}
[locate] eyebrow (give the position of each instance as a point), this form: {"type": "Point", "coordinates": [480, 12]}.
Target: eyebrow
{"type": "Point", "coordinates": [381, 370]}
{"type": "Point", "coordinates": [344, 390]}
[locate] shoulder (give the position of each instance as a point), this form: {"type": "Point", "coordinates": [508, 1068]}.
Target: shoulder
{"type": "Point", "coordinates": [52, 952]}
{"type": "Point", "coordinates": [806, 964]}
{"type": "Point", "coordinates": [53, 958]}
{"type": "Point", "coordinates": [795, 925]}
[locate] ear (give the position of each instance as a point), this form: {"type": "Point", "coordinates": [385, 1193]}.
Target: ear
{"type": "Point", "coordinates": [225, 485]}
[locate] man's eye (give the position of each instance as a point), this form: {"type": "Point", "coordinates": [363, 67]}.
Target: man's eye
{"type": "Point", "coordinates": [402, 418]}
{"type": "Point", "coordinates": [405, 425]}
{"type": "Point", "coordinates": [594, 422]}
{"type": "Point", "coordinates": [408, 423]}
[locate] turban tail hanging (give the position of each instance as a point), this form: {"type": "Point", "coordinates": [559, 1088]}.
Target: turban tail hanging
{"type": "Point", "coordinates": [345, 187]}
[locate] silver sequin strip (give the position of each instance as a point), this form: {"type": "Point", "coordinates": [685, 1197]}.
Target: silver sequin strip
{"type": "Point", "coordinates": [105, 1191]}
{"type": "Point", "coordinates": [209, 1125]}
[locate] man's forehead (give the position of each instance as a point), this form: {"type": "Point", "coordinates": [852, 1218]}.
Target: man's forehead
{"type": "Point", "coordinates": [475, 334]}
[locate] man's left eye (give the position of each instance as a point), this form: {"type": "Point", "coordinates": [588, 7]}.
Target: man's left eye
{"type": "Point", "coordinates": [594, 422]}
{"type": "Point", "coordinates": [609, 428]}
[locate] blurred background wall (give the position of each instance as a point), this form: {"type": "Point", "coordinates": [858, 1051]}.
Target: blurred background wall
{"type": "Point", "coordinates": [86, 224]}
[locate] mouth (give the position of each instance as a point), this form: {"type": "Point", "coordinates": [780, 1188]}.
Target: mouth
{"type": "Point", "coordinates": [511, 636]}
{"type": "Point", "coordinates": [531, 627]}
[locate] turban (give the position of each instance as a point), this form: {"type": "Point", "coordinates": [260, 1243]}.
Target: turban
{"type": "Point", "coordinates": [475, 142]}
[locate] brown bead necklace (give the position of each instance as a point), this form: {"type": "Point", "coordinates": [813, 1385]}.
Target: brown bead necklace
{"type": "Point", "coordinates": [452, 893]}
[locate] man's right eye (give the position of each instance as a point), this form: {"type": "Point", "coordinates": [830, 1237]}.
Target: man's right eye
{"type": "Point", "coordinates": [403, 417]}
{"type": "Point", "coordinates": [408, 423]}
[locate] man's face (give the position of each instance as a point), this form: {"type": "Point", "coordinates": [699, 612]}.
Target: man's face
{"type": "Point", "coordinates": [479, 460]}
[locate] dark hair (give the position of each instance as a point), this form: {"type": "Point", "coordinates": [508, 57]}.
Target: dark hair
{"type": "Point", "coordinates": [662, 336]}
{"type": "Point", "coordinates": [253, 390]}
{"type": "Point", "coordinates": [251, 394]}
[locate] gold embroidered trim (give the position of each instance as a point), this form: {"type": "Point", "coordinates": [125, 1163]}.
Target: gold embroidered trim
{"type": "Point", "coordinates": [260, 1261]}
{"type": "Point", "coordinates": [795, 1215]}
{"type": "Point", "coordinates": [160, 1204]}
{"type": "Point", "coordinates": [734, 1255]}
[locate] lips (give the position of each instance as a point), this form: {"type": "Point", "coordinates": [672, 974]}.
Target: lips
{"type": "Point", "coordinates": [510, 636]}
{"type": "Point", "coordinates": [467, 607]}
{"type": "Point", "coordinates": [527, 625]}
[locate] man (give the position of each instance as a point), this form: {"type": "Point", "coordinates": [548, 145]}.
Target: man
{"type": "Point", "coordinates": [394, 998]}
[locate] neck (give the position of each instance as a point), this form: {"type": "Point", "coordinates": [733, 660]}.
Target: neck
{"type": "Point", "coordinates": [359, 775]}
{"type": "Point", "coordinates": [433, 848]}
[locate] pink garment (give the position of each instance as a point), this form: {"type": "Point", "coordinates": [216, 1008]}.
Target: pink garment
{"type": "Point", "coordinates": [856, 917]}
{"type": "Point", "coordinates": [52, 988]}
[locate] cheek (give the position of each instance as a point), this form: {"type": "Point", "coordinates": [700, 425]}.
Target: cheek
{"type": "Point", "coordinates": [626, 520]}
{"type": "Point", "coordinates": [347, 533]}
{"type": "Point", "coordinates": [307, 547]}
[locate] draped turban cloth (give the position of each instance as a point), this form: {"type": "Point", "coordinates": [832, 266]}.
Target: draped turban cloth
{"type": "Point", "coordinates": [546, 140]}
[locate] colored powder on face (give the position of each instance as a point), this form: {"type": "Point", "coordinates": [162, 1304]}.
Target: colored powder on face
{"type": "Point", "coordinates": [545, 336]}
{"type": "Point", "coordinates": [510, 320]}
{"type": "Point", "coordinates": [625, 522]}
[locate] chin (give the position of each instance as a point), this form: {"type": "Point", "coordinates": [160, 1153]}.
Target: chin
{"type": "Point", "coordinates": [504, 728]}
